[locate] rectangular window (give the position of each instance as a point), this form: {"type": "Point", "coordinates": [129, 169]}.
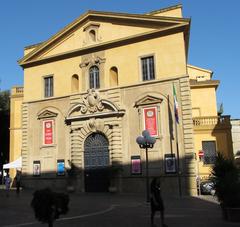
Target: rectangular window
{"type": "Point", "coordinates": [147, 64]}
{"type": "Point", "coordinates": [209, 149]}
{"type": "Point", "coordinates": [48, 86]}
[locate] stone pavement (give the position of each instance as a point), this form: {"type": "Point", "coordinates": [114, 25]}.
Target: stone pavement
{"type": "Point", "coordinates": [115, 210]}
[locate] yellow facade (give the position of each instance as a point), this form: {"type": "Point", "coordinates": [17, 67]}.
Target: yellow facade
{"type": "Point", "coordinates": [208, 124]}
{"type": "Point", "coordinates": [15, 125]}
{"type": "Point", "coordinates": [63, 70]}
{"type": "Point", "coordinates": [116, 43]}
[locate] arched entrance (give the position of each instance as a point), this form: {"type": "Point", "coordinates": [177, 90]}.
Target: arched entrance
{"type": "Point", "coordinates": [96, 161]}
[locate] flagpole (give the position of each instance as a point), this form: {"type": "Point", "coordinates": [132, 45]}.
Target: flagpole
{"type": "Point", "coordinates": [170, 126]}
{"type": "Point", "coordinates": [176, 136]}
{"type": "Point", "coordinates": [178, 162]}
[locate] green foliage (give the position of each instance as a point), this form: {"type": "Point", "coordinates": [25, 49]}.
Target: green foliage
{"type": "Point", "coordinates": [5, 124]}
{"type": "Point", "coordinates": [4, 101]}
{"type": "Point", "coordinates": [48, 205]}
{"type": "Point", "coordinates": [226, 182]}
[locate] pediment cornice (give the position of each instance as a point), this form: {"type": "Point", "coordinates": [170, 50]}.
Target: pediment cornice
{"type": "Point", "coordinates": [157, 22]}
{"type": "Point", "coordinates": [47, 114]}
{"type": "Point", "coordinates": [148, 100]}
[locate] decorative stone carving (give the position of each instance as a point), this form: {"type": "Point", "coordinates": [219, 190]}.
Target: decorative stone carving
{"type": "Point", "coordinates": [95, 124]}
{"type": "Point", "coordinates": [93, 60]}
{"type": "Point", "coordinates": [92, 102]}
{"type": "Point", "coordinates": [91, 105]}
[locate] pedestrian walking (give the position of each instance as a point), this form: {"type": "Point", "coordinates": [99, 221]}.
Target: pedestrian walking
{"type": "Point", "coordinates": [8, 181]}
{"type": "Point", "coordinates": [4, 176]}
{"type": "Point", "coordinates": [18, 181]}
{"type": "Point", "coordinates": [156, 201]}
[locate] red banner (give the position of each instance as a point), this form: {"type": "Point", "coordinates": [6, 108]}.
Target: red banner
{"type": "Point", "coordinates": [48, 132]}
{"type": "Point", "coordinates": [150, 120]}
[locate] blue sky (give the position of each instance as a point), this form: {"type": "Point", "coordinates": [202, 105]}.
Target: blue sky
{"type": "Point", "coordinates": [214, 39]}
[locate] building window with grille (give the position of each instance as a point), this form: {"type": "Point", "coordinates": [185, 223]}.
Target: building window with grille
{"type": "Point", "coordinates": [94, 77]}
{"type": "Point", "coordinates": [209, 149]}
{"type": "Point", "coordinates": [48, 86]}
{"type": "Point", "coordinates": [147, 65]}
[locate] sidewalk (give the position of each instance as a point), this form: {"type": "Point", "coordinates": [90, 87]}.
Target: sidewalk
{"type": "Point", "coordinates": [114, 210]}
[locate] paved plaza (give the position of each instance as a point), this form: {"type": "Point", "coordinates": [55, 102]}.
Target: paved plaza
{"type": "Point", "coordinates": [115, 210]}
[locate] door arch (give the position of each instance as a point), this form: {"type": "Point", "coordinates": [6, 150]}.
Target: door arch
{"type": "Point", "coordinates": [96, 162]}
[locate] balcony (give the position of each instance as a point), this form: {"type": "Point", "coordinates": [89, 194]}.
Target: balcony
{"type": "Point", "coordinates": [211, 122]}
{"type": "Point", "coordinates": [17, 91]}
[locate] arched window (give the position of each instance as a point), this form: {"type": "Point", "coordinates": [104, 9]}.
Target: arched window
{"type": "Point", "coordinates": [92, 35]}
{"type": "Point", "coordinates": [94, 77]}
{"type": "Point", "coordinates": [113, 76]}
{"type": "Point", "coordinates": [75, 83]}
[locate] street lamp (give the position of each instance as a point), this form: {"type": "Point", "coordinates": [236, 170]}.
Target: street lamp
{"type": "Point", "coordinates": [146, 141]}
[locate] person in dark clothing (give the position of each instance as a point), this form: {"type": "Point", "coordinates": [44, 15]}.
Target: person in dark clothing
{"type": "Point", "coordinates": [8, 181]}
{"type": "Point", "coordinates": [156, 201]}
{"type": "Point", "coordinates": [18, 181]}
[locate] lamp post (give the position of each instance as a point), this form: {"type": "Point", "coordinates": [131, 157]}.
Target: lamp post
{"type": "Point", "coordinates": [146, 141]}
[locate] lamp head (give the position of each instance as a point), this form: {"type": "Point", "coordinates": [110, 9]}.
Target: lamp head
{"type": "Point", "coordinates": [140, 140]}
{"type": "Point", "coordinates": [145, 133]}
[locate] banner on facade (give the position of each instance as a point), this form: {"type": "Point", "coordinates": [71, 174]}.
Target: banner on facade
{"type": "Point", "coordinates": [136, 164]}
{"type": "Point", "coordinates": [150, 120]}
{"type": "Point", "coordinates": [36, 168]}
{"type": "Point", "coordinates": [48, 132]}
{"type": "Point", "coordinates": [60, 167]}
{"type": "Point", "coordinates": [170, 163]}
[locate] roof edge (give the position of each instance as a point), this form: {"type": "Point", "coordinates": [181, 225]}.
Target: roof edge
{"type": "Point", "coordinates": [199, 68]}
{"type": "Point", "coordinates": [165, 9]}
{"type": "Point", "coordinates": [32, 46]}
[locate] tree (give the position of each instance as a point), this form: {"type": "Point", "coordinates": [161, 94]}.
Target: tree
{"type": "Point", "coordinates": [48, 205]}
{"type": "Point", "coordinates": [4, 126]}
{"type": "Point", "coordinates": [5, 101]}
{"type": "Point", "coordinates": [226, 182]}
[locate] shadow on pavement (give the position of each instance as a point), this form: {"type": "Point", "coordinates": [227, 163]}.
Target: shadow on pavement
{"type": "Point", "coordinates": [108, 210]}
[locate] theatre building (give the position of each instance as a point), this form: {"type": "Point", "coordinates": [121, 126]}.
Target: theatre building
{"type": "Point", "coordinates": [89, 92]}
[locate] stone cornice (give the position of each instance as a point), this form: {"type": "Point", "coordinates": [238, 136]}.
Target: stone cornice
{"type": "Point", "coordinates": [173, 78]}
{"type": "Point", "coordinates": [206, 83]}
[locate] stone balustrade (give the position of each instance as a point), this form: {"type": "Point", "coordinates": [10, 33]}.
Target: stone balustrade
{"type": "Point", "coordinates": [17, 90]}
{"type": "Point", "coordinates": [211, 121]}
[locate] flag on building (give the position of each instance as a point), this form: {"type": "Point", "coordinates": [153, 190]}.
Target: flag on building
{"type": "Point", "coordinates": [175, 105]}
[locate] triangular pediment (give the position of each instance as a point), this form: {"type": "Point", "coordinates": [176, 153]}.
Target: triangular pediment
{"type": "Point", "coordinates": [147, 100]}
{"type": "Point", "coordinates": [47, 114]}
{"type": "Point", "coordinates": [107, 27]}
